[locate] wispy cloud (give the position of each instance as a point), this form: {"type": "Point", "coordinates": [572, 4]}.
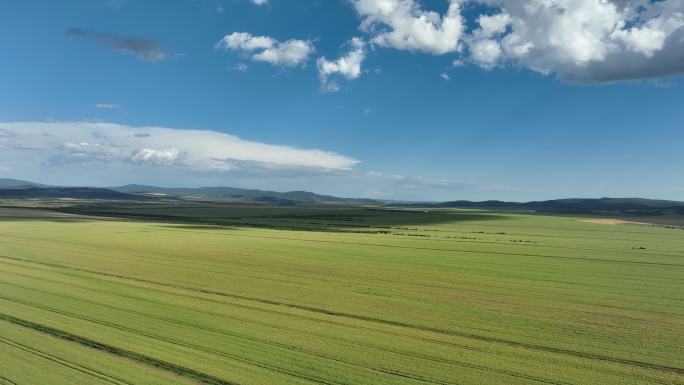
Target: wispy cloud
{"type": "Point", "coordinates": [114, 4]}
{"type": "Point", "coordinates": [107, 106]}
{"type": "Point", "coordinates": [86, 143]}
{"type": "Point", "coordinates": [259, 2]}
{"type": "Point", "coordinates": [91, 153]}
{"type": "Point", "coordinates": [142, 48]}
{"type": "Point", "coordinates": [240, 67]}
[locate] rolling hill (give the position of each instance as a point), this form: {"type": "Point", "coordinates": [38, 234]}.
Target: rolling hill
{"type": "Point", "coordinates": [238, 194]}
{"type": "Point", "coordinates": [16, 183]}
{"type": "Point", "coordinates": [65, 193]}
{"type": "Point", "coordinates": [633, 206]}
{"type": "Point", "coordinates": [18, 189]}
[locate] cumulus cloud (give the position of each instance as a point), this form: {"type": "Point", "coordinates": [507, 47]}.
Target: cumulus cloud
{"type": "Point", "coordinates": [142, 48]}
{"type": "Point", "coordinates": [347, 66]}
{"type": "Point", "coordinates": [289, 53]}
{"type": "Point", "coordinates": [484, 48]}
{"type": "Point", "coordinates": [39, 144]}
{"type": "Point", "coordinates": [583, 41]}
{"type": "Point", "coordinates": [403, 24]}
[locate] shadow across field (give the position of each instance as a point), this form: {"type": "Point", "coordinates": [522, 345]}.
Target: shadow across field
{"type": "Point", "coordinates": [31, 214]}
{"type": "Point", "coordinates": [336, 218]}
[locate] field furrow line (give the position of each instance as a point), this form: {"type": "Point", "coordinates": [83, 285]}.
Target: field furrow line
{"type": "Point", "coordinates": [452, 250]}
{"type": "Point", "coordinates": [60, 361]}
{"type": "Point", "coordinates": [151, 361]}
{"type": "Point", "coordinates": [6, 381]}
{"type": "Point", "coordinates": [238, 335]}
{"type": "Point", "coordinates": [333, 338]}
{"type": "Point", "coordinates": [607, 289]}
{"type": "Point", "coordinates": [204, 349]}
{"type": "Point", "coordinates": [431, 329]}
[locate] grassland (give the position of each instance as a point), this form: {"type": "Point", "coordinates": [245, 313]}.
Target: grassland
{"type": "Point", "coordinates": [208, 293]}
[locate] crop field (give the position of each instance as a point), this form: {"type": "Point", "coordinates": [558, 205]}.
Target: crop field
{"type": "Point", "coordinates": [337, 295]}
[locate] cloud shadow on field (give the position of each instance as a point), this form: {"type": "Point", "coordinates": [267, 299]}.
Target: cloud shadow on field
{"type": "Point", "coordinates": [225, 216]}
{"type": "Point", "coordinates": [41, 214]}
{"type": "Point", "coordinates": [344, 219]}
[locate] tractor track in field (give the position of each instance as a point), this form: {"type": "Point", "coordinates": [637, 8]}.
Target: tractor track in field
{"type": "Point", "coordinates": [147, 360]}
{"type": "Point", "coordinates": [569, 352]}
{"type": "Point", "coordinates": [204, 271]}
{"type": "Point", "coordinates": [204, 349]}
{"type": "Point", "coordinates": [140, 259]}
{"type": "Point", "coordinates": [143, 259]}
{"type": "Point", "coordinates": [318, 320]}
{"type": "Point", "coordinates": [343, 340]}
{"type": "Point", "coordinates": [6, 381]}
{"type": "Point", "coordinates": [66, 363]}
{"type": "Point", "coordinates": [304, 351]}
{"type": "Point", "coordinates": [230, 334]}
{"type": "Point", "coordinates": [416, 284]}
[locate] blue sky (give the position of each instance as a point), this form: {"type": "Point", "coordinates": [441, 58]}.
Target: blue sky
{"type": "Point", "coordinates": [459, 107]}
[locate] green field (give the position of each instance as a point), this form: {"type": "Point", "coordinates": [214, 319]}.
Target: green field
{"type": "Point", "coordinates": [216, 294]}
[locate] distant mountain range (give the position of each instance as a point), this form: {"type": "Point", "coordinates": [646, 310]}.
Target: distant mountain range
{"type": "Point", "coordinates": [237, 194]}
{"type": "Point", "coordinates": [19, 189]}
{"type": "Point", "coordinates": [634, 206]}
{"type": "Point", "coordinates": [16, 183]}
{"type": "Point", "coordinates": [64, 193]}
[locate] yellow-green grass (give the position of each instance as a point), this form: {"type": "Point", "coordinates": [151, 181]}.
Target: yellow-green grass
{"type": "Point", "coordinates": [446, 297]}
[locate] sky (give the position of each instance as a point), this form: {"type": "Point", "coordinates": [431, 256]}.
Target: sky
{"type": "Point", "coordinates": [388, 99]}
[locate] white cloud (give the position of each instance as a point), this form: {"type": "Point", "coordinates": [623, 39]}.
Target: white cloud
{"type": "Point", "coordinates": [484, 48]}
{"type": "Point", "coordinates": [491, 25]}
{"type": "Point", "coordinates": [105, 154]}
{"type": "Point", "coordinates": [40, 144]}
{"type": "Point", "coordinates": [240, 67]}
{"type": "Point", "coordinates": [584, 41]}
{"type": "Point", "coordinates": [259, 2]}
{"type": "Point", "coordinates": [445, 76]}
{"type": "Point", "coordinates": [267, 49]}
{"type": "Point", "coordinates": [402, 24]}
{"type": "Point", "coordinates": [486, 52]}
{"type": "Point", "coordinates": [107, 106]}
{"type": "Point", "coordinates": [164, 156]}
{"type": "Point", "coordinates": [348, 66]}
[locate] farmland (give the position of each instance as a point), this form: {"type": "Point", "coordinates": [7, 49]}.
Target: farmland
{"type": "Point", "coordinates": [151, 293]}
